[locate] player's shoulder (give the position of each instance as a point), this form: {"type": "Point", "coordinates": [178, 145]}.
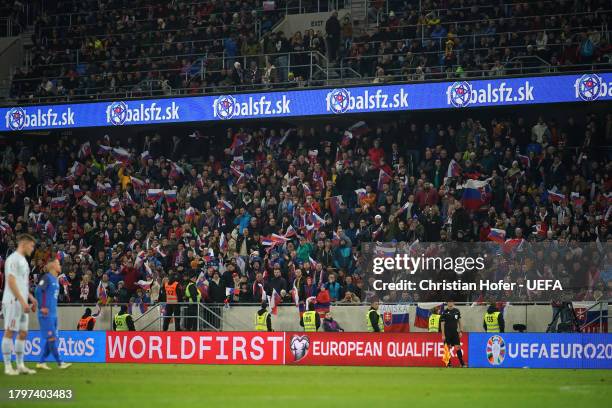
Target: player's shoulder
{"type": "Point", "coordinates": [44, 281]}
{"type": "Point", "coordinates": [13, 260]}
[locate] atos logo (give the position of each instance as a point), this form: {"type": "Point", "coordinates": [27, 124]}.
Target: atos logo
{"type": "Point", "coordinates": [459, 94]}
{"type": "Point", "coordinates": [588, 87]}
{"type": "Point", "coordinates": [15, 118]}
{"type": "Point", "coordinates": [338, 100]}
{"type": "Point", "coordinates": [224, 107]}
{"type": "Point", "coordinates": [299, 346]}
{"type": "Point", "coordinates": [117, 113]}
{"type": "Point", "coordinates": [496, 350]}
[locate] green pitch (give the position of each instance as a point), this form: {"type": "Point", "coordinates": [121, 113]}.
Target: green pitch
{"type": "Point", "coordinates": [168, 386]}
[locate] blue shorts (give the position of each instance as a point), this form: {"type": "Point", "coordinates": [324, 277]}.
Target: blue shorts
{"type": "Point", "coordinates": [48, 326]}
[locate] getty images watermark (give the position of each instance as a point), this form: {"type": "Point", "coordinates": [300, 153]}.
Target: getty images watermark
{"type": "Point", "coordinates": [514, 270]}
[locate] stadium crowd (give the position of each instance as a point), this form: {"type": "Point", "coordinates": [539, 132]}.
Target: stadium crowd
{"type": "Point", "coordinates": [276, 208]}
{"type": "Point", "coordinates": [107, 48]}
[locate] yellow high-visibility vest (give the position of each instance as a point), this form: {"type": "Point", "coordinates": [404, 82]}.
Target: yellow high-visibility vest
{"type": "Point", "coordinates": [381, 324]}
{"type": "Point", "coordinates": [261, 321]}
{"type": "Point", "coordinates": [492, 322]}
{"type": "Point", "coordinates": [310, 321]}
{"type": "Point", "coordinates": [121, 322]}
{"type": "Point", "coordinates": [434, 323]}
{"type": "Point", "coordinates": [188, 296]}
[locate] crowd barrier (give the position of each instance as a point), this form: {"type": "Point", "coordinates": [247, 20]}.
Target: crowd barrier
{"type": "Point", "coordinates": [483, 350]}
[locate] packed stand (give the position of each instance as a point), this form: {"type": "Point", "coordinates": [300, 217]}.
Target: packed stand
{"type": "Point", "coordinates": [161, 48]}
{"type": "Point", "coordinates": [103, 48]}
{"type": "Point", "coordinates": [458, 39]}
{"type": "Point", "coordinates": [274, 209]}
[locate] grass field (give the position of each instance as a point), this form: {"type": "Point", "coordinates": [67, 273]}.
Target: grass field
{"type": "Point", "coordinates": [132, 385]}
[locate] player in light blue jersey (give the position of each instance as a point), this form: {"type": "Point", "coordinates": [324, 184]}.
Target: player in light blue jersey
{"type": "Point", "coordinates": [47, 291]}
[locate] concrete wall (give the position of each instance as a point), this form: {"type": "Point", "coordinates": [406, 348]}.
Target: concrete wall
{"type": "Point", "coordinates": [351, 318]}
{"type": "Point", "coordinates": [70, 315]}
{"type": "Point", "coordinates": [308, 21]}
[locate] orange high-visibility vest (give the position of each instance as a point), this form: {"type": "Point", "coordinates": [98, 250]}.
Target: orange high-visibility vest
{"type": "Point", "coordinates": [171, 296]}
{"type": "Point", "coordinates": [84, 322]}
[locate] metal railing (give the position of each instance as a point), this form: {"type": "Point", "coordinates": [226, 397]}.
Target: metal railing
{"type": "Point", "coordinates": [207, 317]}
{"type": "Point", "coordinates": [600, 318]}
{"type": "Point", "coordinates": [317, 81]}
{"type": "Point", "coordinates": [9, 27]}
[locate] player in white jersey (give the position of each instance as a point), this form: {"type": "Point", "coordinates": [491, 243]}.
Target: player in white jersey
{"type": "Point", "coordinates": [15, 305]}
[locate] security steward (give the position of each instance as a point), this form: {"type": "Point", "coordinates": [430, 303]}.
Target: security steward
{"type": "Point", "coordinates": [374, 320]}
{"type": "Point", "coordinates": [434, 320]}
{"type": "Point", "coordinates": [263, 320]}
{"type": "Point", "coordinates": [310, 320]}
{"type": "Point", "coordinates": [493, 321]}
{"type": "Point", "coordinates": [87, 321]}
{"type": "Point", "coordinates": [123, 320]}
{"type": "Point", "coordinates": [193, 297]}
{"type": "Point", "coordinates": [170, 296]}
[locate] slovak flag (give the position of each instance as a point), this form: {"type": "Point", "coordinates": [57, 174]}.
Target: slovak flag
{"type": "Point", "coordinates": [497, 235]}
{"type": "Point", "coordinates": [312, 155]}
{"type": "Point", "coordinates": [525, 160]}
{"type": "Point", "coordinates": [555, 197]}
{"type": "Point", "coordinates": [223, 242]}
{"type": "Point", "coordinates": [78, 193]}
{"type": "Point", "coordinates": [49, 229]}
{"type": "Point", "coordinates": [145, 155]}
{"type": "Point", "coordinates": [361, 194]}
{"type": "Point", "coordinates": [422, 318]}
{"type": "Point", "coordinates": [267, 241]}
{"type": "Point", "coordinates": [87, 202]}
{"type": "Point", "coordinates": [170, 195]}
{"type": "Point", "coordinates": [238, 175]}
{"type": "Point", "coordinates": [59, 202]}
{"type": "Point", "coordinates": [454, 170]}
{"type": "Point", "coordinates": [140, 258]}
{"type": "Point", "coordinates": [334, 204]}
{"type": "Point", "coordinates": [313, 262]}
{"type": "Point", "coordinates": [176, 170]}
{"type": "Point", "coordinates": [115, 205]}
{"type": "Point", "coordinates": [307, 190]}
{"type": "Point", "coordinates": [356, 129]}
{"type": "Point", "coordinates": [513, 245]}
{"type": "Point", "coordinates": [274, 301]}
{"type": "Point", "coordinates": [104, 149]}
{"type": "Point", "coordinates": [145, 285]}
{"type": "Point", "coordinates": [63, 281]}
{"type": "Point", "coordinates": [225, 204]}
{"type": "Point", "coordinates": [290, 232]}
{"type": "Point", "coordinates": [576, 199]}
{"type": "Point", "coordinates": [190, 214]}
{"type": "Point", "coordinates": [476, 193]}
{"type": "Point", "coordinates": [102, 295]}
{"type": "Point", "coordinates": [127, 198]}
{"type": "Point", "coordinates": [154, 194]}
{"type": "Point", "coordinates": [60, 255]}
{"type": "Point", "coordinates": [383, 178]}
{"type": "Point", "coordinates": [137, 183]}
{"type": "Point", "coordinates": [84, 151]}
{"type": "Point", "coordinates": [77, 169]}
{"type": "Point", "coordinates": [121, 154]}
{"type": "Point", "coordinates": [104, 187]}
{"type": "Point", "coordinates": [317, 221]}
